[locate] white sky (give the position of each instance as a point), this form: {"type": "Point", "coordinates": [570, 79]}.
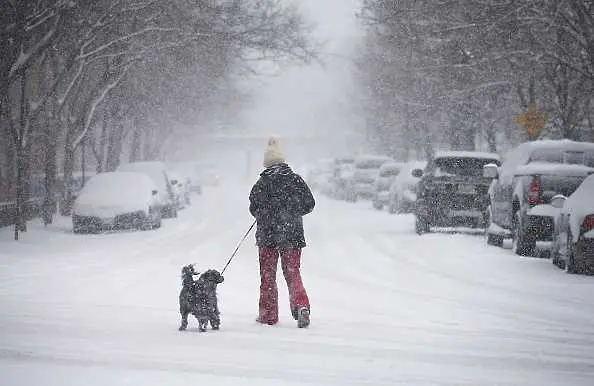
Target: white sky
{"type": "Point", "coordinates": [312, 99]}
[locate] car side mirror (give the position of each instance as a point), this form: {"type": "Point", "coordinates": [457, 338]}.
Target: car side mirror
{"type": "Point", "coordinates": [491, 171]}
{"type": "Point", "coordinates": [417, 173]}
{"type": "Point", "coordinates": [558, 201]}
{"type": "Point", "coordinates": [173, 182]}
{"type": "Point", "coordinates": [154, 192]}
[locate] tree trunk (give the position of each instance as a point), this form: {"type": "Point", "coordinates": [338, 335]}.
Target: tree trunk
{"type": "Point", "coordinates": [100, 152]}
{"type": "Point", "coordinates": [135, 146]}
{"type": "Point", "coordinates": [50, 169]}
{"type": "Point", "coordinates": [21, 162]}
{"type": "Point", "coordinates": [491, 138]}
{"type": "Point", "coordinates": [67, 196]}
{"type": "Point", "coordinates": [114, 147]}
{"type": "Point", "coordinates": [21, 191]}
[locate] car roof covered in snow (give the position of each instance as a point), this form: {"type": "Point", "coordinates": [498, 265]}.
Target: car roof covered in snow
{"type": "Point", "coordinates": [564, 144]}
{"type": "Point", "coordinates": [362, 160]}
{"type": "Point", "coordinates": [121, 187]}
{"type": "Point", "coordinates": [467, 154]}
{"type": "Point", "coordinates": [551, 168]}
{"type": "Point", "coordinates": [154, 169]}
{"type": "Point", "coordinates": [345, 160]}
{"type": "Point", "coordinates": [522, 154]}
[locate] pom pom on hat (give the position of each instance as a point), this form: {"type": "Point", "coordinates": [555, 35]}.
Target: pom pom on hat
{"type": "Point", "coordinates": [273, 154]}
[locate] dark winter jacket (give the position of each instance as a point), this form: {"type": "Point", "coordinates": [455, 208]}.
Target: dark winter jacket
{"type": "Point", "coordinates": [278, 201]}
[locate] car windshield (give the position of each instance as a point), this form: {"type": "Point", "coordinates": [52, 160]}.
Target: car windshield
{"type": "Point", "coordinates": [389, 172]}
{"type": "Point", "coordinates": [461, 166]}
{"type": "Point", "coordinates": [563, 156]}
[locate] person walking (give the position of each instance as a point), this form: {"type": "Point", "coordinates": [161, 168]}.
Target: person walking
{"type": "Point", "coordinates": [279, 200]}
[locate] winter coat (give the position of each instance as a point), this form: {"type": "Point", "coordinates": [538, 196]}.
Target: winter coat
{"type": "Point", "coordinates": [278, 201]}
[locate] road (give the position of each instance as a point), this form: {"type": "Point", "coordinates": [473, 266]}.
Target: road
{"type": "Point", "coordinates": [388, 306]}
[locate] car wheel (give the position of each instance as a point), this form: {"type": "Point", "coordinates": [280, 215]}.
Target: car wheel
{"type": "Point", "coordinates": [495, 240]}
{"type": "Point", "coordinates": [169, 211]}
{"type": "Point", "coordinates": [421, 225]}
{"type": "Point", "coordinates": [570, 265]}
{"type": "Point", "coordinates": [391, 208]}
{"type": "Point", "coordinates": [351, 197]}
{"type": "Point", "coordinates": [522, 245]}
{"type": "Point", "coordinates": [554, 253]}
{"type": "Point", "coordinates": [492, 239]}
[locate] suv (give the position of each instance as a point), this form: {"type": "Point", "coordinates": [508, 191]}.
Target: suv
{"type": "Point", "coordinates": [453, 190]}
{"type": "Point", "coordinates": [381, 188]}
{"type": "Point", "coordinates": [361, 183]}
{"type": "Point", "coordinates": [342, 173]}
{"type": "Point", "coordinates": [520, 195]}
{"type": "Point", "coordinates": [403, 192]}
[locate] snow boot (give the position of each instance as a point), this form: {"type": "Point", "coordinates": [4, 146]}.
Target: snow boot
{"type": "Point", "coordinates": [303, 317]}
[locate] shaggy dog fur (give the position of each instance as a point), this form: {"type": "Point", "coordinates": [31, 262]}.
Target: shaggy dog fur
{"type": "Point", "coordinates": [199, 298]}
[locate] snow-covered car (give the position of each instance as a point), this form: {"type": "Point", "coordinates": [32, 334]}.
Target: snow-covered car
{"type": "Point", "coordinates": [158, 172]}
{"type": "Point", "coordinates": [366, 170]}
{"type": "Point", "coordinates": [453, 190]}
{"type": "Point", "coordinates": [117, 200]}
{"type": "Point", "coordinates": [342, 176]}
{"type": "Point", "coordinates": [403, 191]}
{"type": "Point", "coordinates": [342, 172]}
{"type": "Point", "coordinates": [180, 185]}
{"type": "Point", "coordinates": [319, 176]}
{"type": "Point", "coordinates": [381, 187]}
{"type": "Point", "coordinates": [210, 177]}
{"type": "Point", "coordinates": [522, 189]}
{"type": "Point", "coordinates": [191, 173]}
{"type": "Point", "coordinates": [573, 236]}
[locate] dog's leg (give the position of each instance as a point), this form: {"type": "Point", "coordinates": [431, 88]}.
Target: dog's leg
{"type": "Point", "coordinates": [215, 320]}
{"type": "Point", "coordinates": [184, 319]}
{"type": "Point", "coordinates": [202, 324]}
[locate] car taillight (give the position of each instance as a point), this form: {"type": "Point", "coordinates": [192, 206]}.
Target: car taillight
{"type": "Point", "coordinates": [534, 191]}
{"type": "Point", "coordinates": [588, 223]}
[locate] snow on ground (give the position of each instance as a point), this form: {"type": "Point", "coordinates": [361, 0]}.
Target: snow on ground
{"type": "Point", "coordinates": [389, 307]}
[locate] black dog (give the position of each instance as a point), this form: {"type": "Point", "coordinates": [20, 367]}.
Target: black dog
{"type": "Point", "coordinates": [199, 298]}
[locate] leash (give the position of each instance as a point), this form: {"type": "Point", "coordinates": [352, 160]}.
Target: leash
{"type": "Point", "coordinates": [238, 246]}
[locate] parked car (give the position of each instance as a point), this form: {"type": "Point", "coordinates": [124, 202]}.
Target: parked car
{"type": "Point", "coordinates": [210, 177]}
{"type": "Point", "coordinates": [180, 185]}
{"type": "Point", "coordinates": [117, 200]}
{"type": "Point", "coordinates": [381, 187]}
{"type": "Point", "coordinates": [342, 172]}
{"type": "Point", "coordinates": [573, 237]}
{"type": "Point", "coordinates": [191, 174]}
{"type": "Point", "coordinates": [453, 191]}
{"type": "Point", "coordinates": [159, 174]}
{"type": "Point", "coordinates": [403, 191]}
{"type": "Point", "coordinates": [319, 176]}
{"type": "Point", "coordinates": [520, 195]}
{"type": "Point", "coordinates": [366, 169]}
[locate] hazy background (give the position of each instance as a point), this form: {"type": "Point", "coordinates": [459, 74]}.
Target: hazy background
{"type": "Point", "coordinates": [310, 106]}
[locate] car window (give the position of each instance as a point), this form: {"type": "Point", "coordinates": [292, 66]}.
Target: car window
{"type": "Point", "coordinates": [562, 156]}
{"type": "Point", "coordinates": [460, 166]}
{"type": "Point", "coordinates": [389, 173]}
{"type": "Point", "coordinates": [546, 155]}
{"type": "Point", "coordinates": [589, 159]}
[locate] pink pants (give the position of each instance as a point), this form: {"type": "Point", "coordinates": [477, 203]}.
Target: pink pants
{"type": "Point", "coordinates": [290, 263]}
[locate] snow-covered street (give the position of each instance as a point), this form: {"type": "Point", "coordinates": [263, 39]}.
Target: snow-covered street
{"type": "Point", "coordinates": [388, 306]}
